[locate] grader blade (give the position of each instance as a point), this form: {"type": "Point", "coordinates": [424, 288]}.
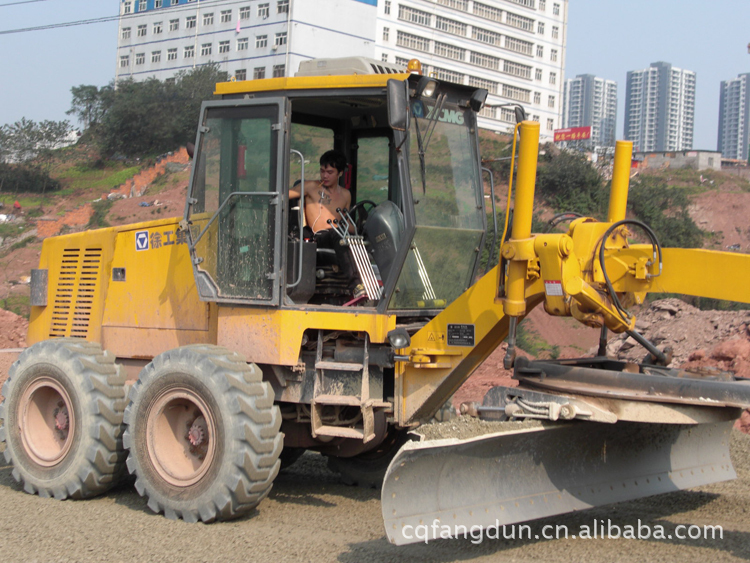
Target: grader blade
{"type": "Point", "coordinates": [444, 488]}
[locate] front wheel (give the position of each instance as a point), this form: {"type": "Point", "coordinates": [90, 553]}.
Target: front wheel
{"type": "Point", "coordinates": [62, 419]}
{"type": "Point", "coordinates": [203, 434]}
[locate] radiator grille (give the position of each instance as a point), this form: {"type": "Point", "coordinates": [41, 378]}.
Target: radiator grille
{"type": "Point", "coordinates": [76, 290]}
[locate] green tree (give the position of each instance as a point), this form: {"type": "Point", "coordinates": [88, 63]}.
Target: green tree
{"type": "Point", "coordinates": [665, 210]}
{"type": "Point", "coordinates": [89, 103]}
{"type": "Point", "coordinates": [569, 182]}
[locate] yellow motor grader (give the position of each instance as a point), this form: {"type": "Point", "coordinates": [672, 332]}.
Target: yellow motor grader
{"type": "Point", "coordinates": [201, 353]}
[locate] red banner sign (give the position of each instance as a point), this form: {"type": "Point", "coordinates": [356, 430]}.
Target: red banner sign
{"type": "Point", "coordinates": [573, 134]}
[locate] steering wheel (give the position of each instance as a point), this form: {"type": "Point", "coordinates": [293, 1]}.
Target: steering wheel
{"type": "Point", "coordinates": [359, 213]}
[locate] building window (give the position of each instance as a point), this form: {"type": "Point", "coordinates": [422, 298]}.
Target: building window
{"type": "Point", "coordinates": [553, 55]}
{"type": "Point", "coordinates": [515, 93]}
{"type": "Point", "coordinates": [174, 25]}
{"type": "Point", "coordinates": [414, 16]}
{"type": "Point", "coordinates": [279, 71]}
{"type": "Point", "coordinates": [242, 44]}
{"type": "Point", "coordinates": [190, 22]}
{"type": "Point", "coordinates": [521, 22]}
{"type": "Point", "coordinates": [412, 42]}
{"type": "Point", "coordinates": [518, 45]}
{"type": "Point", "coordinates": [540, 28]}
{"type": "Point", "coordinates": [450, 26]}
{"type": "Point", "coordinates": [488, 85]}
{"type": "Point", "coordinates": [261, 41]}
{"type": "Point", "coordinates": [223, 46]}
{"type": "Point", "coordinates": [155, 56]}
{"type": "Point", "coordinates": [386, 33]}
{"type": "Point", "coordinates": [517, 69]}
{"type": "Point", "coordinates": [127, 8]}
{"type": "Point", "coordinates": [208, 19]}
{"type": "Point", "coordinates": [259, 72]}
{"type": "Point", "coordinates": [142, 5]}
{"type": "Point", "coordinates": [157, 3]}
{"type": "Point", "coordinates": [282, 7]}
{"type": "Point", "coordinates": [555, 32]}
{"type": "Point", "coordinates": [537, 97]}
{"type": "Point", "coordinates": [174, 2]}
{"type": "Point", "coordinates": [555, 9]}
{"type": "Point", "coordinates": [141, 31]}
{"type": "Point", "coordinates": [538, 74]}
{"type": "Point", "coordinates": [171, 54]}
{"type": "Point", "coordinates": [280, 39]}
{"type": "Point", "coordinates": [542, 5]}
{"type": "Point", "coordinates": [485, 61]}
{"type": "Point", "coordinates": [157, 28]}
{"type": "Point", "coordinates": [205, 49]}
{"type": "Point", "coordinates": [189, 52]}
{"type": "Point", "coordinates": [450, 51]}
{"type": "Point", "coordinates": [245, 13]}
{"type": "Point", "coordinates": [226, 16]}
{"type": "Point", "coordinates": [448, 75]}
{"type": "Point", "coordinates": [462, 5]}
{"type": "Point", "coordinates": [387, 8]}
{"type": "Point", "coordinates": [125, 33]}
{"type": "Point", "coordinates": [263, 11]}
{"type": "Point", "coordinates": [240, 74]}
{"type": "Point", "coordinates": [485, 36]}
{"type": "Point", "coordinates": [553, 78]}
{"type": "Point", "coordinates": [550, 125]}
{"type": "Point", "coordinates": [488, 12]}
{"type": "Point", "coordinates": [540, 51]}
{"type": "Point", "coordinates": [140, 58]}
{"type": "Point", "coordinates": [535, 118]}
{"type": "Point", "coordinates": [124, 61]}
{"type": "Point", "coordinates": [551, 101]}
{"type": "Point", "coordinates": [384, 57]}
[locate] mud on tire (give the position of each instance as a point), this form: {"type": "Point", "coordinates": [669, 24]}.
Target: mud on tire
{"type": "Point", "coordinates": [62, 419]}
{"type": "Point", "coordinates": [203, 434]}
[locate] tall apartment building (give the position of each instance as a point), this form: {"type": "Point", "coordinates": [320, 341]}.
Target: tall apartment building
{"type": "Point", "coordinates": [591, 101]}
{"type": "Point", "coordinates": [660, 108]}
{"type": "Point", "coordinates": [734, 118]}
{"type": "Point", "coordinates": [514, 48]}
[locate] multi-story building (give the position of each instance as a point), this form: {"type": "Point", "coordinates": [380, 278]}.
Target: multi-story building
{"type": "Point", "coordinates": [734, 118]}
{"type": "Point", "coordinates": [513, 48]}
{"type": "Point", "coordinates": [660, 108]}
{"type": "Point", "coordinates": [590, 101]}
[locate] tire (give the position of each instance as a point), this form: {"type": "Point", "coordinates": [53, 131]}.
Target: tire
{"type": "Point", "coordinates": [62, 419]}
{"type": "Point", "coordinates": [203, 434]}
{"type": "Point", "coordinates": [367, 470]}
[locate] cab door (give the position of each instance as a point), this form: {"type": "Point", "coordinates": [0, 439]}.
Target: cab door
{"type": "Point", "coordinates": [234, 207]}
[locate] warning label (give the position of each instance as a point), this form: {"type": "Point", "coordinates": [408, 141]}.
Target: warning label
{"type": "Point", "coordinates": [553, 288]}
{"type": "Point", "coordinates": [460, 335]}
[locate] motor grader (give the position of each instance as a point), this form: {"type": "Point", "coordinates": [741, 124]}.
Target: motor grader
{"type": "Point", "coordinates": [200, 353]}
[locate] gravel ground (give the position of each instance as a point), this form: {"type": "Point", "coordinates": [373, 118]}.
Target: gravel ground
{"type": "Point", "coordinates": [310, 516]}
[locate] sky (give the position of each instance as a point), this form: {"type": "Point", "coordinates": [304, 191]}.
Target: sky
{"type": "Point", "coordinates": [605, 37]}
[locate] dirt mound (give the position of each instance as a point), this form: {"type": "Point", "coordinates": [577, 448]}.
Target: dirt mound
{"type": "Point", "coordinates": [13, 333]}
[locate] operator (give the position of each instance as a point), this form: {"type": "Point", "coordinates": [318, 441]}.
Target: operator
{"type": "Point", "coordinates": [322, 199]}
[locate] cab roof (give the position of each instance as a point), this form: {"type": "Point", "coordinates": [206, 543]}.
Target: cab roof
{"type": "Point", "coordinates": [333, 82]}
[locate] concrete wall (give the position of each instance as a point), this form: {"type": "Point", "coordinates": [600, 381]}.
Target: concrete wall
{"type": "Point", "coordinates": [696, 160]}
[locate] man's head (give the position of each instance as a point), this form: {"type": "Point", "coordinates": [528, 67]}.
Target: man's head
{"type": "Point", "coordinates": [332, 165]}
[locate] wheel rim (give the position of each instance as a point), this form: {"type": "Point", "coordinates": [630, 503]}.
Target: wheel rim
{"type": "Point", "coordinates": [181, 437]}
{"type": "Point", "coordinates": [47, 421]}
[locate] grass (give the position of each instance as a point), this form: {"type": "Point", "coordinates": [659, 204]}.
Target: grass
{"type": "Point", "coordinates": [18, 304]}
{"type": "Point", "coordinates": [23, 243]}
{"type": "Point", "coordinates": [13, 229]}
{"type": "Point", "coordinates": [98, 218]}
{"type": "Point", "coordinates": [529, 341]}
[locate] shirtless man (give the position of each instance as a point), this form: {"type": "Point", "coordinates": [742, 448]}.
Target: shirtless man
{"type": "Point", "coordinates": [322, 198]}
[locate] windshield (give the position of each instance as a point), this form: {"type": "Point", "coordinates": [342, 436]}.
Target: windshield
{"type": "Point", "coordinates": [448, 207]}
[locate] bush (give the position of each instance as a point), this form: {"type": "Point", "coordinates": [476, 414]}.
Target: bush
{"type": "Point", "coordinates": [568, 182]}
{"type": "Point", "coordinates": [22, 178]}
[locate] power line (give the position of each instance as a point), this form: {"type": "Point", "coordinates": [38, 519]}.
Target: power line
{"type": "Point", "coordinates": [24, 2]}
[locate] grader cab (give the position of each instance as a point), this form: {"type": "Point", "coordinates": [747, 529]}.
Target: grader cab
{"type": "Point", "coordinates": [201, 353]}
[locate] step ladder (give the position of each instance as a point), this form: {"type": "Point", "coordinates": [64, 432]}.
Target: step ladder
{"type": "Point", "coordinates": [322, 399]}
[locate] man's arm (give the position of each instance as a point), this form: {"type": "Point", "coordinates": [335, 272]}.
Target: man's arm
{"type": "Point", "coordinates": [295, 192]}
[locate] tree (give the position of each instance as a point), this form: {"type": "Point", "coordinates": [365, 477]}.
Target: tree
{"type": "Point", "coordinates": [89, 104]}
{"type": "Point", "coordinates": [568, 182]}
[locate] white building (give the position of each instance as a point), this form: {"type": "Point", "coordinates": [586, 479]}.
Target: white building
{"type": "Point", "coordinates": [590, 101]}
{"type": "Point", "coordinates": [734, 118]}
{"type": "Point", "coordinates": [660, 108]}
{"type": "Point", "coordinates": [514, 48]}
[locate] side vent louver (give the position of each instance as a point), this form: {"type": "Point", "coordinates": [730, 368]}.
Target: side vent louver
{"type": "Point", "coordinates": [76, 289]}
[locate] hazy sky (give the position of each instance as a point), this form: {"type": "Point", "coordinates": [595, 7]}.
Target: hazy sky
{"type": "Point", "coordinates": [605, 37]}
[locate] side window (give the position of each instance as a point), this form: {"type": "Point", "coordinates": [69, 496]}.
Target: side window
{"type": "Point", "coordinates": [311, 142]}
{"type": "Point", "coordinates": [372, 169]}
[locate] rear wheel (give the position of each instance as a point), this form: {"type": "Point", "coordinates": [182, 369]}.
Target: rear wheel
{"type": "Point", "coordinates": [203, 434]}
{"type": "Point", "coordinates": [62, 415]}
